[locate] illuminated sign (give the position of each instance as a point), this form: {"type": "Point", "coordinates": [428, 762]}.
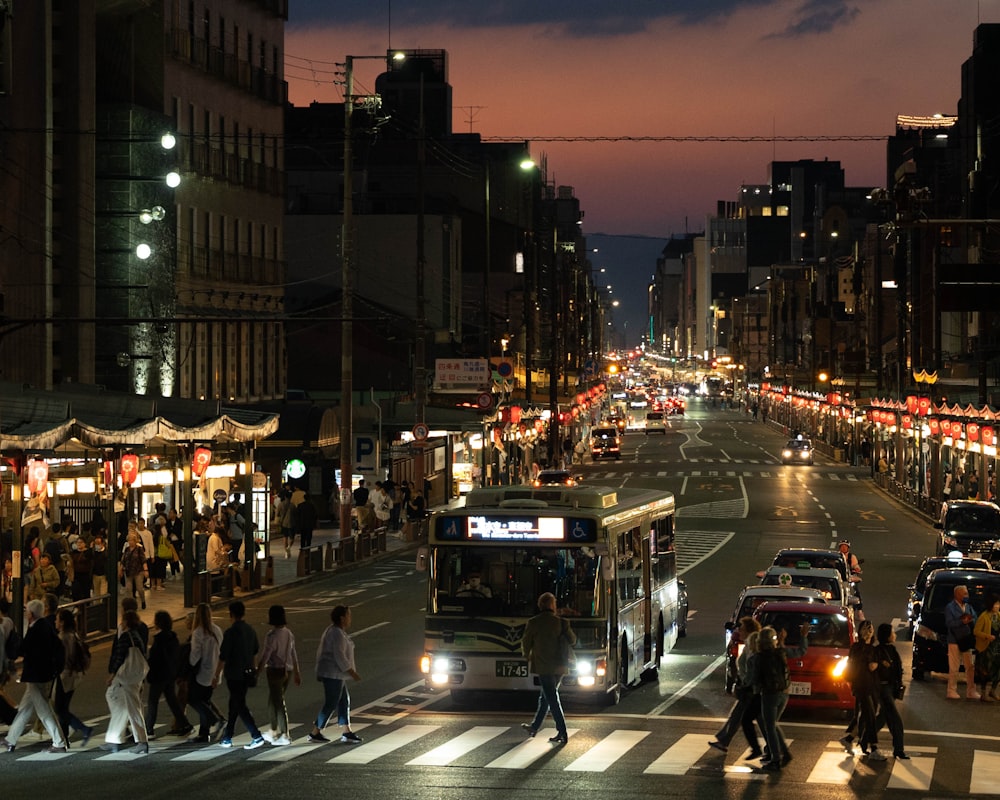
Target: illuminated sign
{"type": "Point", "coordinates": [511, 528]}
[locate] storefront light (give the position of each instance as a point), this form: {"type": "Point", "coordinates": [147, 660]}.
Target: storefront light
{"type": "Point", "coordinates": [221, 471]}
{"type": "Point", "coordinates": [86, 486]}
{"type": "Point", "coordinates": [65, 486]}
{"type": "Point", "coordinates": [155, 477]}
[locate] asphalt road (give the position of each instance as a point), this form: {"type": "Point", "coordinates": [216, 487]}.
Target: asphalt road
{"type": "Point", "coordinates": [738, 505]}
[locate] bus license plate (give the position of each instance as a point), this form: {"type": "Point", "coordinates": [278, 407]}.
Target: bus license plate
{"type": "Point", "coordinates": [512, 669]}
{"type": "Point", "coordinates": [800, 688]}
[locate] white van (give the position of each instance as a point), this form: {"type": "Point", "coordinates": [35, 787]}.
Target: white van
{"type": "Point", "coordinates": [654, 423]}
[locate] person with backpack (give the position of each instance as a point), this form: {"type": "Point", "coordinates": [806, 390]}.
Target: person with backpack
{"type": "Point", "coordinates": [77, 662]}
{"type": "Point", "coordinates": [43, 659]}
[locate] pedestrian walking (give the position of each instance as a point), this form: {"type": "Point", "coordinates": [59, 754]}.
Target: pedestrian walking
{"type": "Point", "coordinates": [547, 643]}
{"type": "Point", "coordinates": [890, 678]}
{"type": "Point", "coordinates": [861, 666]}
{"type": "Point", "coordinates": [134, 568]}
{"type": "Point", "coordinates": [280, 663]}
{"type": "Point", "coordinates": [206, 639]}
{"type": "Point", "coordinates": [127, 670]}
{"type": "Point", "coordinates": [162, 677]}
{"type": "Point", "coordinates": [767, 672]}
{"type": "Point", "coordinates": [334, 665]}
{"type": "Point", "coordinates": [987, 633]}
{"type": "Point", "coordinates": [237, 664]}
{"type": "Point", "coordinates": [75, 664]}
{"type": "Point", "coordinates": [42, 660]}
{"type": "Point", "coordinates": [742, 715]}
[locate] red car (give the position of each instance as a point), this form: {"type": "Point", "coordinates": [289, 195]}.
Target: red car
{"type": "Point", "coordinates": [817, 678]}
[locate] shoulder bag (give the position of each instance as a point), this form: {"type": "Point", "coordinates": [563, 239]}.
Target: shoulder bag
{"type": "Point", "coordinates": [133, 670]}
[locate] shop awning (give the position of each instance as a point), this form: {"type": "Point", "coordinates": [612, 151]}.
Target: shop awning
{"type": "Point", "coordinates": [84, 417]}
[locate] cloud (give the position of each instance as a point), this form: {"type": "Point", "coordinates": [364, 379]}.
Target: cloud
{"type": "Point", "coordinates": [818, 16]}
{"type": "Point", "coordinates": [577, 18]}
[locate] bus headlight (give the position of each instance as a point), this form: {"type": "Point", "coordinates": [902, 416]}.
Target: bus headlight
{"type": "Point", "coordinates": [584, 667]}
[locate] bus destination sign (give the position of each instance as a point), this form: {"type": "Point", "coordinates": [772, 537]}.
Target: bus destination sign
{"type": "Point", "coordinates": [505, 528]}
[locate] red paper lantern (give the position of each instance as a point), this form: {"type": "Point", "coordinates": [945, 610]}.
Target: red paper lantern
{"type": "Point", "coordinates": [988, 436]}
{"type": "Point", "coordinates": [911, 403]}
{"type": "Point", "coordinates": [515, 414]}
{"type": "Point", "coordinates": [202, 458]}
{"type": "Point", "coordinates": [38, 476]}
{"type": "Point", "coordinates": [972, 429]}
{"type": "Point", "coordinates": [935, 425]}
{"type": "Point", "coordinates": [906, 422]}
{"type": "Point", "coordinates": [924, 406]}
{"type": "Point", "coordinates": [130, 468]}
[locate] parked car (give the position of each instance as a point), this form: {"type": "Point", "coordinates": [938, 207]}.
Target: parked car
{"type": "Point", "coordinates": [750, 599]}
{"type": "Point", "coordinates": [817, 677]}
{"type": "Point", "coordinates": [605, 443]}
{"type": "Point", "coordinates": [797, 451]}
{"type": "Point", "coordinates": [930, 636]}
{"type": "Point", "coordinates": [927, 566]}
{"type": "Point", "coordinates": [969, 527]}
{"type": "Point", "coordinates": [829, 581]}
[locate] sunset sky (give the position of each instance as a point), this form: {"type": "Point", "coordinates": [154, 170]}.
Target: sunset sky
{"type": "Point", "coordinates": [694, 71]}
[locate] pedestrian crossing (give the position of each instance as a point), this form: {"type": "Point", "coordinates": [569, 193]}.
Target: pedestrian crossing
{"type": "Point", "coordinates": [631, 749]}
{"type": "Point", "coordinates": [806, 474]}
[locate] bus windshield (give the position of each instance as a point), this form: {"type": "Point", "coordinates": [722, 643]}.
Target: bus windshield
{"type": "Point", "coordinates": [506, 581]}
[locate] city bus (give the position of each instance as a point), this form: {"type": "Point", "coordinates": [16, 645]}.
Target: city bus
{"type": "Point", "coordinates": [606, 554]}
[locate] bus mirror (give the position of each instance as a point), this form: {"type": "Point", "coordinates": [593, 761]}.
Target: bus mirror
{"type": "Point", "coordinates": [422, 554]}
{"type": "Point", "coordinates": [607, 569]}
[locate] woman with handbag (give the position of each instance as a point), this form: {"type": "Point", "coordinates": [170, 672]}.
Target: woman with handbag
{"type": "Point", "coordinates": [987, 633]}
{"type": "Point", "coordinates": [126, 671]}
{"type": "Point", "coordinates": [206, 639]}
{"type": "Point", "coordinates": [890, 679]}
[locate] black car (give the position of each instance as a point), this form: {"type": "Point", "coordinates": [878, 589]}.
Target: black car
{"type": "Point", "coordinates": [916, 589]}
{"type": "Point", "coordinates": [930, 636]}
{"type": "Point", "coordinates": [554, 477]}
{"type": "Point", "coordinates": [797, 451]}
{"type": "Point", "coordinates": [970, 527]}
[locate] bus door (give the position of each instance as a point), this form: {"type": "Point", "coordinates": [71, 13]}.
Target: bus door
{"type": "Point", "coordinates": [632, 598]}
{"type": "Point", "coordinates": [648, 543]}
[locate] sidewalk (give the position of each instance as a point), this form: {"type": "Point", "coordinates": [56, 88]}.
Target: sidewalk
{"type": "Point", "coordinates": [285, 572]}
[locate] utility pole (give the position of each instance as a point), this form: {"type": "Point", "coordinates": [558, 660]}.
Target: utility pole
{"type": "Point", "coordinates": [347, 309]}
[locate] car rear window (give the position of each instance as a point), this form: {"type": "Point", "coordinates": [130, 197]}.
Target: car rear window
{"type": "Point", "coordinates": [829, 587]}
{"type": "Point", "coordinates": [825, 630]}
{"type": "Point", "coordinates": [941, 593]}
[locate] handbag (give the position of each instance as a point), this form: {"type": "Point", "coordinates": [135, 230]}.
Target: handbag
{"type": "Point", "coordinates": [250, 677]}
{"type": "Point", "coordinates": [900, 691]}
{"type": "Point", "coordinates": [133, 670]}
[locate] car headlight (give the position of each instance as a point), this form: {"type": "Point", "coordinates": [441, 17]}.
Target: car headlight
{"type": "Point", "coordinates": [786, 453]}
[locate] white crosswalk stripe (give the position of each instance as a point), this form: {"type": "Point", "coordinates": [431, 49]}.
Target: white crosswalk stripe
{"type": "Point", "coordinates": [824, 763]}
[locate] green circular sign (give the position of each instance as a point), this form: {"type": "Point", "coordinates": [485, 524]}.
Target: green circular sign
{"type": "Point", "coordinates": [295, 468]}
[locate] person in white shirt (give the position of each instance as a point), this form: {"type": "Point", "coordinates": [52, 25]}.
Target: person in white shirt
{"type": "Point", "coordinates": [279, 662]}
{"type": "Point", "coordinates": [206, 638]}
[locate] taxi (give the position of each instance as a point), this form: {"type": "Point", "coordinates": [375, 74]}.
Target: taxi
{"type": "Point", "coordinates": [828, 581]}
{"type": "Point", "coordinates": [797, 451]}
{"type": "Point", "coordinates": [818, 676]}
{"type": "Point", "coordinates": [750, 599]}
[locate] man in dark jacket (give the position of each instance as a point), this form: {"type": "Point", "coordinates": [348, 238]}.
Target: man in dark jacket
{"type": "Point", "coordinates": [546, 643]}
{"type": "Point", "coordinates": [237, 659]}
{"type": "Point", "coordinates": [43, 661]}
